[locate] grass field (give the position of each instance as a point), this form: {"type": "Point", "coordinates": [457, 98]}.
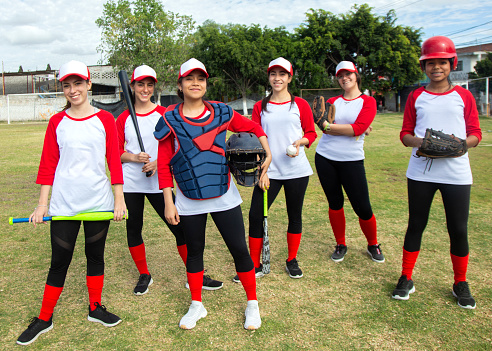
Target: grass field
{"type": "Point", "coordinates": [344, 306]}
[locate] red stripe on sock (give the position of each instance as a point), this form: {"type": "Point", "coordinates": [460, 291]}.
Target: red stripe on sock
{"type": "Point", "coordinates": [95, 285]}
{"type": "Point", "coordinates": [370, 230]}
{"type": "Point", "coordinates": [138, 255]}
{"type": "Point", "coordinates": [460, 266]}
{"type": "Point", "coordinates": [337, 222]}
{"type": "Point", "coordinates": [195, 281]}
{"type": "Point", "coordinates": [248, 280]}
{"type": "Point", "coordinates": [408, 263]}
{"type": "Point", "coordinates": [183, 252]}
{"type": "Point", "coordinates": [255, 249]}
{"type": "Point", "coordinates": [293, 243]}
{"type": "Point", "coordinates": [50, 298]}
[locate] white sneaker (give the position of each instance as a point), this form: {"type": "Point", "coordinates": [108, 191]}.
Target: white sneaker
{"type": "Point", "coordinates": [252, 313]}
{"type": "Point", "coordinates": [196, 311]}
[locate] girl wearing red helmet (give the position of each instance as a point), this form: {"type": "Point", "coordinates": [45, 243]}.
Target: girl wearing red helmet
{"type": "Point", "coordinates": [451, 109]}
{"type": "Point", "coordinates": [79, 142]}
{"type": "Point", "coordinates": [287, 120]}
{"type": "Point", "coordinates": [137, 186]}
{"type": "Point", "coordinates": [339, 161]}
{"type": "Point", "coordinates": [192, 150]}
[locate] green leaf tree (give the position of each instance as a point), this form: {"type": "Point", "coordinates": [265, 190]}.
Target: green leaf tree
{"type": "Point", "coordinates": [142, 32]}
{"type": "Point", "coordinates": [385, 53]}
{"type": "Point", "coordinates": [237, 56]}
{"type": "Point", "coordinates": [483, 68]}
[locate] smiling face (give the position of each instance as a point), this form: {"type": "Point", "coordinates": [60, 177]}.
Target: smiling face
{"type": "Point", "coordinates": [437, 69]}
{"type": "Point", "coordinates": [75, 90]}
{"type": "Point", "coordinates": [144, 89]}
{"type": "Point", "coordinates": [194, 85]}
{"type": "Point", "coordinates": [347, 80]}
{"type": "Point", "coordinates": [279, 79]}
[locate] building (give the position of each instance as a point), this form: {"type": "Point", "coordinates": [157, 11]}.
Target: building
{"type": "Point", "coordinates": [467, 59]}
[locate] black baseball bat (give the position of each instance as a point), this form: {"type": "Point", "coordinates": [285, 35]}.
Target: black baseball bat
{"type": "Point", "coordinates": [125, 86]}
{"type": "Point", "coordinates": [266, 240]}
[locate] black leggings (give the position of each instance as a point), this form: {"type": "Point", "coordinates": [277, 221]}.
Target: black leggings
{"type": "Point", "coordinates": [230, 225]}
{"type": "Point", "coordinates": [351, 175]}
{"type": "Point", "coordinates": [294, 190]}
{"type": "Point", "coordinates": [63, 237]}
{"type": "Point", "coordinates": [135, 205]}
{"type": "Point", "coordinates": [456, 201]}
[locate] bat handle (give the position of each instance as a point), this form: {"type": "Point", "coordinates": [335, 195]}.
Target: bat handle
{"type": "Point", "coordinates": [148, 173]}
{"type": "Point", "coordinates": [13, 220]}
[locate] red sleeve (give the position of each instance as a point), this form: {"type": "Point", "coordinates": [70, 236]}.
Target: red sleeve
{"type": "Point", "coordinates": [164, 155]}
{"type": "Point", "coordinates": [239, 123]}
{"type": "Point", "coordinates": [120, 127]}
{"type": "Point", "coordinates": [471, 114]}
{"type": "Point", "coordinates": [51, 153]}
{"type": "Point", "coordinates": [112, 152]}
{"type": "Point", "coordinates": [410, 114]}
{"type": "Point", "coordinates": [307, 120]}
{"type": "Point", "coordinates": [366, 115]}
{"type": "Point", "coordinates": [256, 115]}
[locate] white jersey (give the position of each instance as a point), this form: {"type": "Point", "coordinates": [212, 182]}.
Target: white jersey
{"type": "Point", "coordinates": [135, 180]}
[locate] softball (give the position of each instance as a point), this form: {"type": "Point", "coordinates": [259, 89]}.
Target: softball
{"type": "Point", "coordinates": [291, 150]}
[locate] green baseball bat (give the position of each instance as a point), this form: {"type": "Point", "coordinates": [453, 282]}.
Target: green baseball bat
{"type": "Point", "coordinates": [88, 216]}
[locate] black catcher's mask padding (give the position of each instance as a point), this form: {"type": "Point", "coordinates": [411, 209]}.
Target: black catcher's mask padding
{"type": "Point", "coordinates": [245, 155]}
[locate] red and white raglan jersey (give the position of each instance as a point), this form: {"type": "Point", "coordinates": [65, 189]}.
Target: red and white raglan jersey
{"type": "Point", "coordinates": [453, 112]}
{"type": "Point", "coordinates": [359, 113]}
{"type": "Point", "coordinates": [74, 163]}
{"type": "Point", "coordinates": [135, 180]}
{"type": "Point", "coordinates": [285, 123]}
{"type": "Point", "coordinates": [184, 205]}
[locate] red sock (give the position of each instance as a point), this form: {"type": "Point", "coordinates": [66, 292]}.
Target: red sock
{"type": "Point", "coordinates": [293, 242]}
{"type": "Point", "coordinates": [138, 255]}
{"type": "Point", "coordinates": [408, 263]}
{"type": "Point", "coordinates": [95, 285]}
{"type": "Point", "coordinates": [460, 266]}
{"type": "Point", "coordinates": [255, 248]}
{"type": "Point", "coordinates": [369, 228]}
{"type": "Point", "coordinates": [248, 280]}
{"type": "Point", "coordinates": [183, 252]}
{"type": "Point", "coordinates": [337, 221]}
{"type": "Point", "coordinates": [50, 298]}
{"type": "Point", "coordinates": [195, 280]}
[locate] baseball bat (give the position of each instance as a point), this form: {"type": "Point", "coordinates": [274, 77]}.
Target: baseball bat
{"type": "Point", "coordinates": [125, 86]}
{"type": "Point", "coordinates": [89, 216]}
{"type": "Point", "coordinates": [266, 240]}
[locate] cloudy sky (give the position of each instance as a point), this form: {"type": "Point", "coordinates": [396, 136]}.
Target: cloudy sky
{"type": "Point", "coordinates": [34, 33]}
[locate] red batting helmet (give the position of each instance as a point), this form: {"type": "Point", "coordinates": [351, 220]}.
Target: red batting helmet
{"type": "Point", "coordinates": [438, 47]}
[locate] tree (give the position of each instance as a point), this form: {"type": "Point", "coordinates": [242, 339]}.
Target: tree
{"type": "Point", "coordinates": [237, 56]}
{"type": "Point", "coordinates": [48, 67]}
{"type": "Point", "coordinates": [20, 69]}
{"type": "Point", "coordinates": [142, 32]}
{"type": "Point", "coordinates": [385, 53]}
{"type": "Point", "coordinates": [483, 68]}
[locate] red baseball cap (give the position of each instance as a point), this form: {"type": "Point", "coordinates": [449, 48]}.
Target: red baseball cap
{"type": "Point", "coordinates": [191, 65]}
{"type": "Point", "coordinates": [282, 63]}
{"type": "Point", "coordinates": [74, 68]}
{"type": "Point", "coordinates": [345, 66]}
{"type": "Point", "coordinates": [142, 72]}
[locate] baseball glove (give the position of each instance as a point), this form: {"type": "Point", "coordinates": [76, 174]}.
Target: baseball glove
{"type": "Point", "coordinates": [323, 112]}
{"type": "Point", "coordinates": [437, 144]}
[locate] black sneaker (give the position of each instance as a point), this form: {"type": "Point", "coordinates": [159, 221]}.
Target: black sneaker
{"type": "Point", "coordinates": [258, 274]}
{"type": "Point", "coordinates": [292, 267]}
{"type": "Point", "coordinates": [36, 328]}
{"type": "Point", "coordinates": [142, 287]}
{"type": "Point", "coordinates": [462, 292]}
{"type": "Point", "coordinates": [101, 315]}
{"type": "Point", "coordinates": [375, 252]}
{"type": "Point", "coordinates": [403, 289]}
{"type": "Point", "coordinates": [339, 253]}
{"type": "Point", "coordinates": [209, 284]}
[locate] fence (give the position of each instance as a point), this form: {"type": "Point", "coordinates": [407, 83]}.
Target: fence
{"type": "Point", "coordinates": [37, 107]}
{"type": "Point", "coordinates": [481, 88]}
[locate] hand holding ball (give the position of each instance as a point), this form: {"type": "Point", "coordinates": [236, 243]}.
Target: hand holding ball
{"type": "Point", "coordinates": [291, 150]}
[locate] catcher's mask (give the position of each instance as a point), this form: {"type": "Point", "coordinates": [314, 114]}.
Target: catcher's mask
{"type": "Point", "coordinates": [245, 155]}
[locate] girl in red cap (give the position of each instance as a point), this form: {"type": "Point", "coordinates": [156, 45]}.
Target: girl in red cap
{"type": "Point", "coordinates": [339, 160]}
{"type": "Point", "coordinates": [137, 185]}
{"type": "Point", "coordinates": [78, 142]}
{"type": "Point", "coordinates": [451, 109]}
{"type": "Point", "coordinates": [288, 121]}
{"type": "Point", "coordinates": [192, 137]}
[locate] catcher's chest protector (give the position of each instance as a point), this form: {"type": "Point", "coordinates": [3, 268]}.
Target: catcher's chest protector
{"type": "Point", "coordinates": [199, 165]}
